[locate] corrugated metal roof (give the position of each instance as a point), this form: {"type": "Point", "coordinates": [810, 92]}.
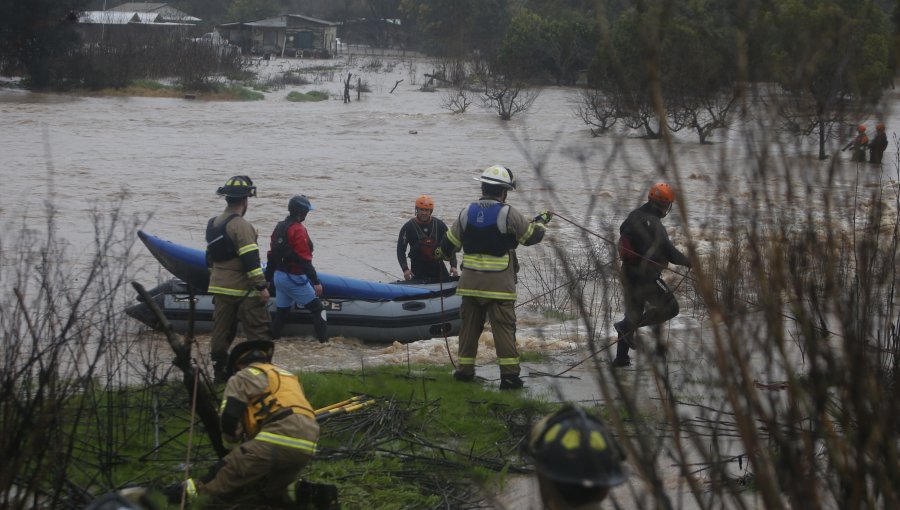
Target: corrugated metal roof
{"type": "Point", "coordinates": [119, 18]}
{"type": "Point", "coordinates": [168, 12]}
{"type": "Point", "coordinates": [281, 21]}
{"type": "Point", "coordinates": [137, 7]}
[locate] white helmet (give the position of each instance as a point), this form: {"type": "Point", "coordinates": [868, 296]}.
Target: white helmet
{"type": "Point", "coordinates": [498, 175]}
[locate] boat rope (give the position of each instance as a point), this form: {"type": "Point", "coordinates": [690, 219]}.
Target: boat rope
{"type": "Point", "coordinates": [441, 316]}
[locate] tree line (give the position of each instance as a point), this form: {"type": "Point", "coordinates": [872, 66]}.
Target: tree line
{"type": "Point", "coordinates": [647, 65]}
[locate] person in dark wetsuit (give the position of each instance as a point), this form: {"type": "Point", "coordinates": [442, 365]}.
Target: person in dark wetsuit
{"type": "Point", "coordinates": [645, 250]}
{"type": "Point", "coordinates": [878, 145]}
{"type": "Point", "coordinates": [292, 271]}
{"type": "Point", "coordinates": [422, 235]}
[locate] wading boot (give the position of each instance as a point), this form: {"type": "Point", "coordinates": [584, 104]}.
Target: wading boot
{"type": "Point", "coordinates": [511, 382]}
{"type": "Point", "coordinates": [626, 333]}
{"type": "Point", "coordinates": [278, 322]}
{"type": "Point", "coordinates": [621, 362]}
{"type": "Point", "coordinates": [461, 376]}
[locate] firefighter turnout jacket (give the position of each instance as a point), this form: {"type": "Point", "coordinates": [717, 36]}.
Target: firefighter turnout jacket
{"type": "Point", "coordinates": [266, 403]}
{"type": "Point", "coordinates": [488, 232]}
{"type": "Point", "coordinates": [240, 275]}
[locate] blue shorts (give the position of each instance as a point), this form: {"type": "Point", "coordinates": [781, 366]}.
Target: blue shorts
{"type": "Point", "coordinates": [292, 288]}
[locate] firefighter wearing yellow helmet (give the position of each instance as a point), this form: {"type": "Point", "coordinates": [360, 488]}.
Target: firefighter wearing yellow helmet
{"type": "Point", "coordinates": [488, 231]}
{"type": "Point", "coordinates": [576, 458]}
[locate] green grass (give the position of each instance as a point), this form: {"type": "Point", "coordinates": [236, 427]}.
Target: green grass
{"type": "Point", "coordinates": [425, 435]}
{"type": "Point", "coordinates": [314, 95]}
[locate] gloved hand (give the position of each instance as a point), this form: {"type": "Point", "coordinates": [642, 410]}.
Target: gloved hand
{"type": "Point", "coordinates": [544, 217]}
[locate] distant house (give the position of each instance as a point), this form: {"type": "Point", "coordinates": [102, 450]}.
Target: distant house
{"type": "Point", "coordinates": [167, 13]}
{"type": "Point", "coordinates": [129, 27]}
{"type": "Point", "coordinates": [288, 34]}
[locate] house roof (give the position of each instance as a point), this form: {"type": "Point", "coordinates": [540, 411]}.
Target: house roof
{"type": "Point", "coordinates": [119, 18]}
{"type": "Point", "coordinates": [138, 6]}
{"type": "Point", "coordinates": [280, 22]}
{"type": "Point", "coordinates": [168, 12]}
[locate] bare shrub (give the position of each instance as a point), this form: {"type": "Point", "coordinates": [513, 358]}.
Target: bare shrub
{"type": "Point", "coordinates": [456, 100]}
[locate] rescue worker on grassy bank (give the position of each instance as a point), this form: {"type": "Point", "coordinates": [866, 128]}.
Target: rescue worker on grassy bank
{"type": "Point", "coordinates": [291, 270]}
{"type": "Point", "coordinates": [488, 232]}
{"type": "Point", "coordinates": [266, 415]}
{"type": "Point", "coordinates": [858, 144]}
{"type": "Point", "coordinates": [236, 277]}
{"type": "Point", "coordinates": [421, 236]}
{"type": "Point", "coordinates": [878, 145]}
{"type": "Point", "coordinates": [577, 460]}
{"type": "Point", "coordinates": [645, 250]}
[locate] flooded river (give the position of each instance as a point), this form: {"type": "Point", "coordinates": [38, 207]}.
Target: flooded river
{"type": "Point", "coordinates": [363, 164]}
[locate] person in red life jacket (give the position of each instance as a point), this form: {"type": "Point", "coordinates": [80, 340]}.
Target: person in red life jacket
{"type": "Point", "coordinates": [268, 418]}
{"type": "Point", "coordinates": [858, 144]}
{"type": "Point", "coordinates": [291, 269]}
{"type": "Point", "coordinates": [878, 145]}
{"type": "Point", "coordinates": [236, 278]}
{"type": "Point", "coordinates": [488, 232]}
{"type": "Point", "coordinates": [645, 250]}
{"type": "Point", "coordinates": [421, 235]}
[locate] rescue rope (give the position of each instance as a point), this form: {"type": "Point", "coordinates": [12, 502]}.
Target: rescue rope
{"type": "Point", "coordinates": [610, 241]}
{"type": "Point", "coordinates": [187, 462]}
{"type": "Point", "coordinates": [441, 317]}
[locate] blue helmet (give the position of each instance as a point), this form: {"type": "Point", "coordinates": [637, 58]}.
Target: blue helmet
{"type": "Point", "coordinates": [299, 204]}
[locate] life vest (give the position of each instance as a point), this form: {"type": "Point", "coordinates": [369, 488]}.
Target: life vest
{"type": "Point", "coordinates": [283, 396]}
{"type": "Point", "coordinates": [282, 252]}
{"type": "Point", "coordinates": [219, 247]}
{"type": "Point", "coordinates": [485, 245]}
{"type": "Point", "coordinates": [627, 253]}
{"type": "Point", "coordinates": [423, 249]}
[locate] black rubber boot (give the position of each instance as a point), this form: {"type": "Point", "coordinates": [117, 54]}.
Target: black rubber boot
{"type": "Point", "coordinates": [320, 320]}
{"type": "Point", "coordinates": [281, 318]}
{"type": "Point", "coordinates": [220, 367]}
{"type": "Point", "coordinates": [317, 496]}
{"type": "Point", "coordinates": [461, 376]}
{"type": "Point", "coordinates": [511, 382]}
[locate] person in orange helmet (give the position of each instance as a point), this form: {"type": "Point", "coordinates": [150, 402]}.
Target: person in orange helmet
{"type": "Point", "coordinates": [878, 145]}
{"type": "Point", "coordinates": [645, 250]}
{"type": "Point", "coordinates": [421, 236]}
{"type": "Point", "coordinates": [858, 144]}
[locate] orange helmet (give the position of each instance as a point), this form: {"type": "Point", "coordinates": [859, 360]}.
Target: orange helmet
{"type": "Point", "coordinates": [662, 193]}
{"type": "Point", "coordinates": [861, 128]}
{"type": "Point", "coordinates": [425, 202]}
{"type": "Point", "coordinates": [880, 126]}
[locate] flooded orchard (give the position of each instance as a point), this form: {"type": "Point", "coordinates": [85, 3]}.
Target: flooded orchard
{"type": "Point", "coordinates": [363, 164]}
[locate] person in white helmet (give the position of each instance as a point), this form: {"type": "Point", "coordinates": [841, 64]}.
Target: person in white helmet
{"type": "Point", "coordinates": [488, 232]}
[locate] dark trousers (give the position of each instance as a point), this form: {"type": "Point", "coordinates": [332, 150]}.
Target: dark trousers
{"type": "Point", "coordinates": [647, 303]}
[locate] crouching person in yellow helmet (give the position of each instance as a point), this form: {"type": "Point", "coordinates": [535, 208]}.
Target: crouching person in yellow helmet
{"type": "Point", "coordinates": [264, 407]}
{"type": "Point", "coordinates": [576, 459]}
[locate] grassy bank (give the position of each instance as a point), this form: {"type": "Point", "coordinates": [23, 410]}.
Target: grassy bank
{"type": "Point", "coordinates": [147, 88]}
{"type": "Point", "coordinates": [425, 440]}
